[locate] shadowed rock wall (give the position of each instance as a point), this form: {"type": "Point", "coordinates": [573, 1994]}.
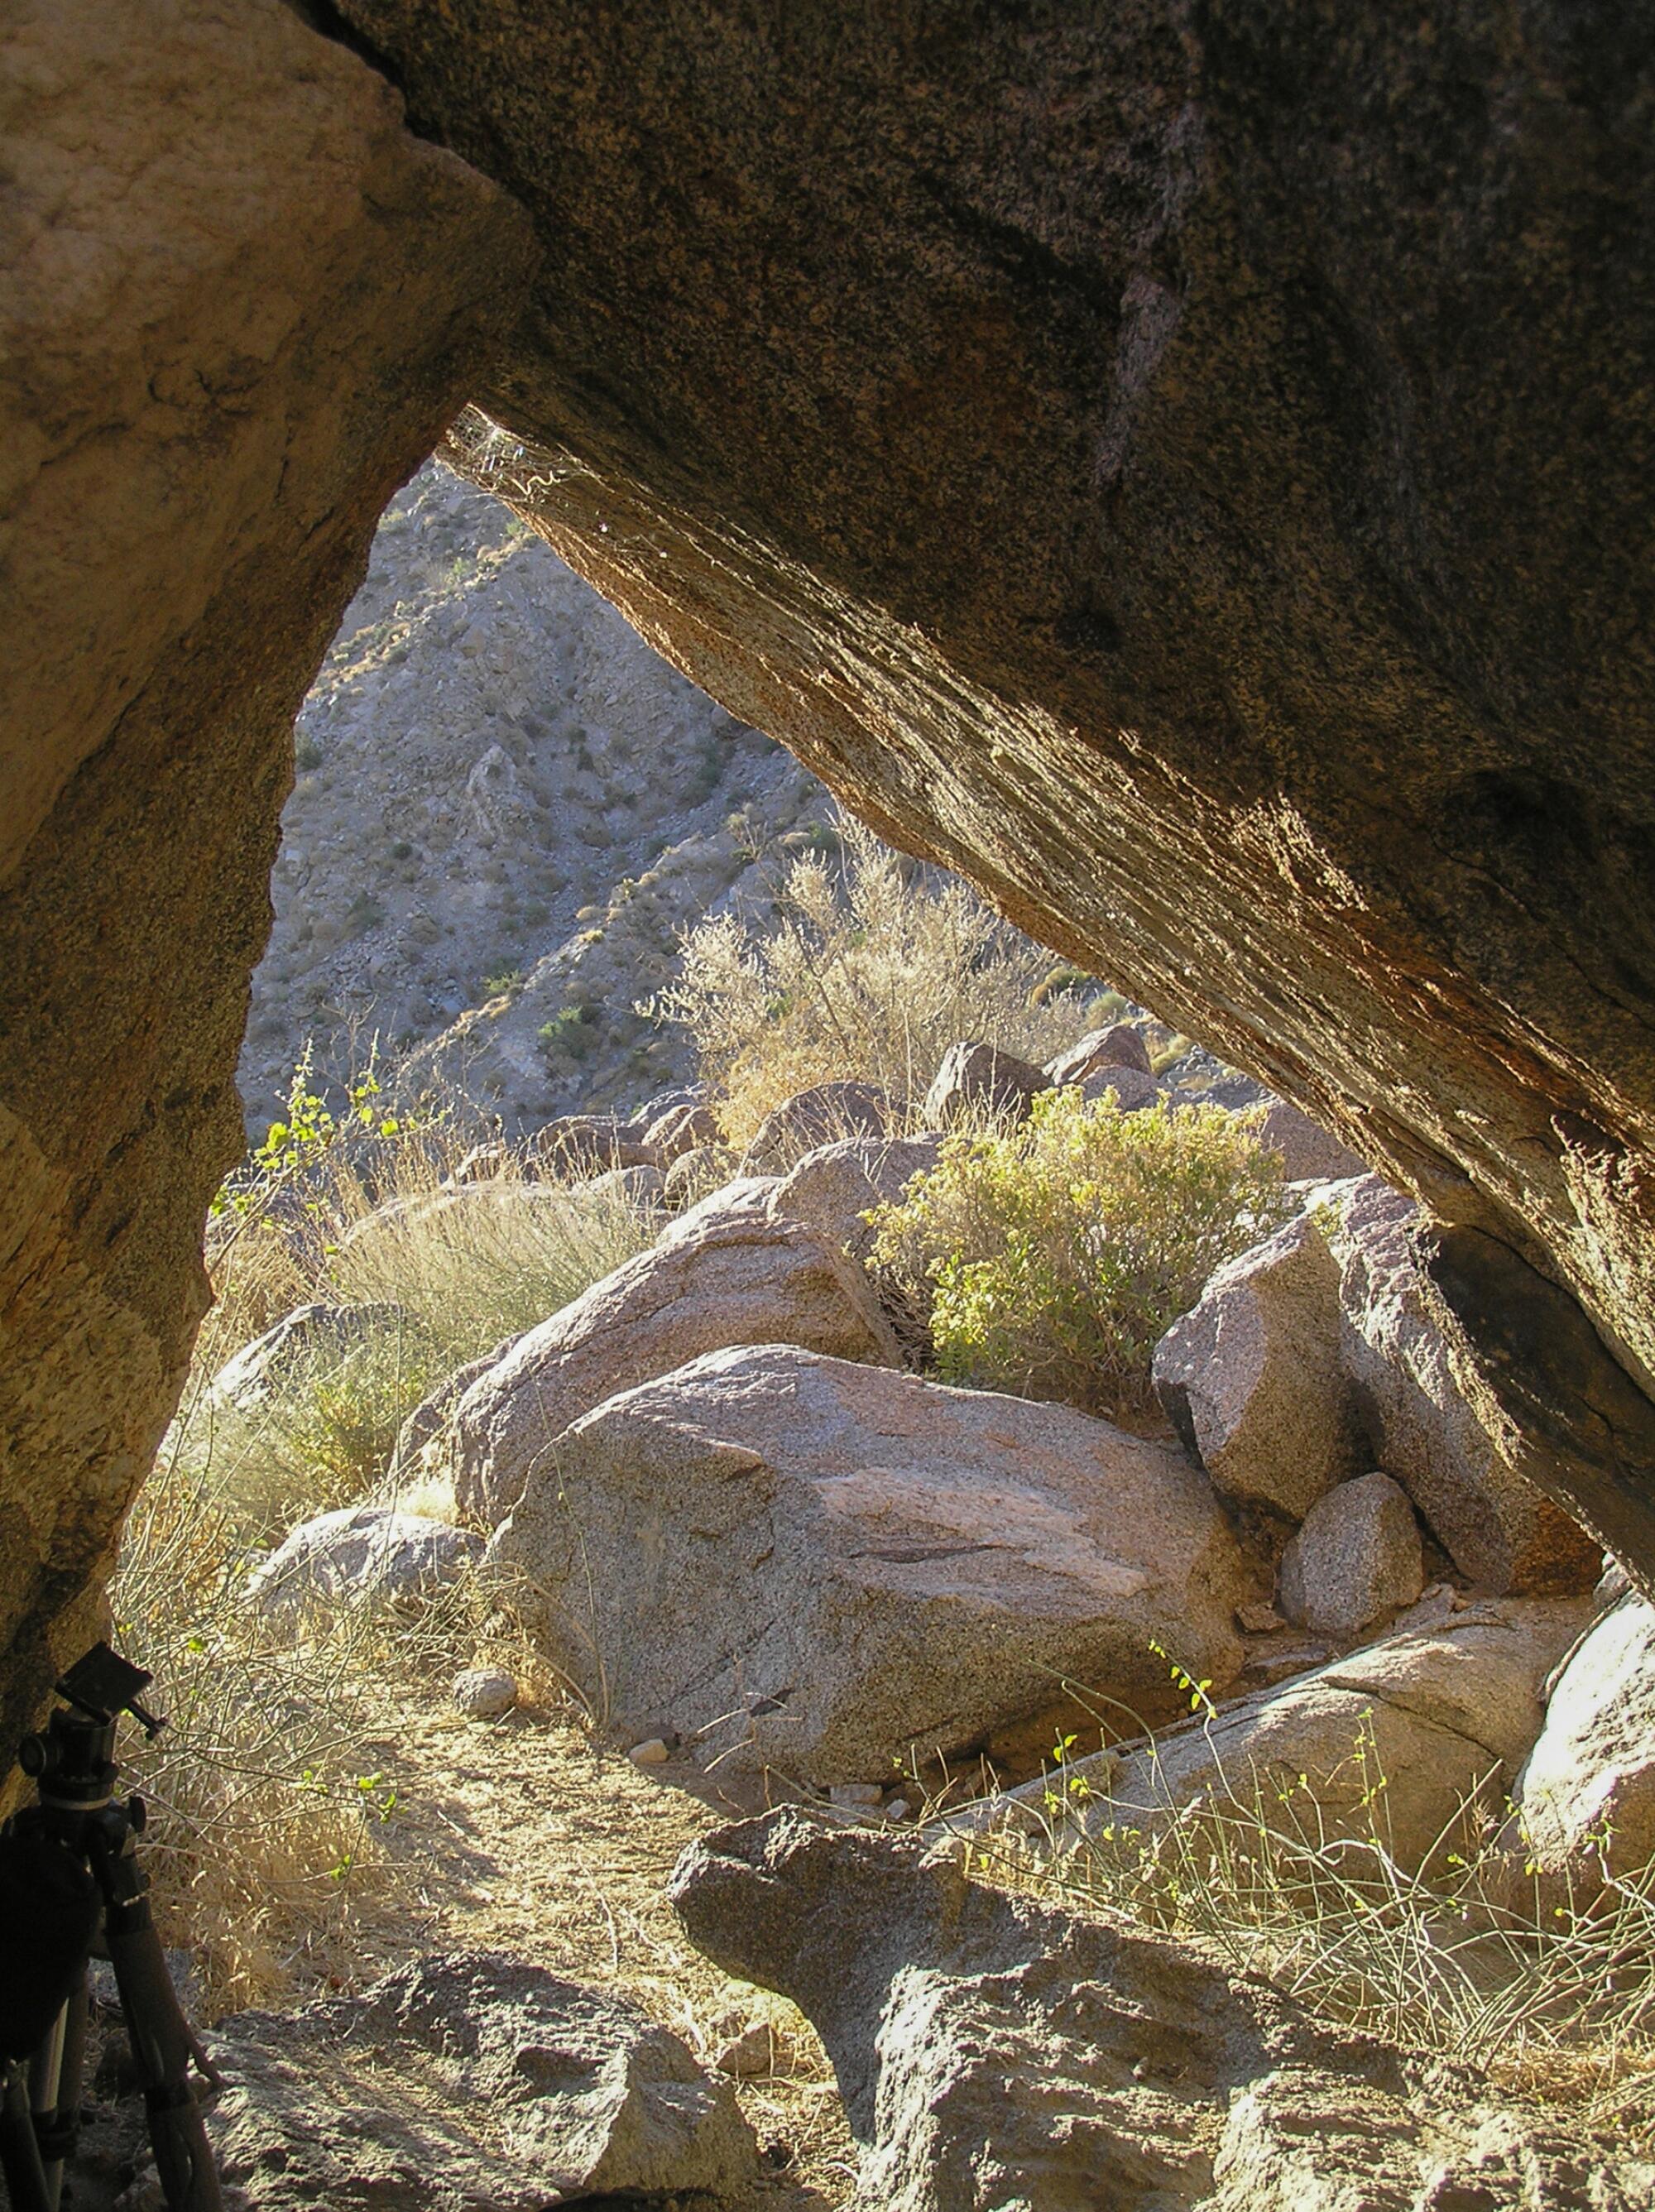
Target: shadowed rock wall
{"type": "Point", "coordinates": [1187, 466]}
{"type": "Point", "coordinates": [238, 303]}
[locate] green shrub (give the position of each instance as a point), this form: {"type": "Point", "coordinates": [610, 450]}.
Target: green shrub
{"type": "Point", "coordinates": [307, 754]}
{"type": "Point", "coordinates": [503, 982]}
{"type": "Point", "coordinates": [1049, 1259]}
{"type": "Point", "coordinates": [363, 914]}
{"type": "Point", "coordinates": [568, 1034]}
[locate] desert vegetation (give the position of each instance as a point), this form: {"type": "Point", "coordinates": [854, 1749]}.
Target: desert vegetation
{"type": "Point", "coordinates": [1050, 1258]}
{"type": "Point", "coordinates": [870, 967]}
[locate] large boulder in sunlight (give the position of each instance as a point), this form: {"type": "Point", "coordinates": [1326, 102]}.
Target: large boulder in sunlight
{"type": "Point", "coordinates": [1100, 1050]}
{"type": "Point", "coordinates": [977, 1082]}
{"type": "Point", "coordinates": [311, 1336]}
{"type": "Point", "coordinates": [996, 2052]}
{"type": "Point", "coordinates": [1584, 1803]}
{"type": "Point", "coordinates": [239, 301]}
{"type": "Point", "coordinates": [1355, 1560]}
{"type": "Point", "coordinates": [576, 1147]}
{"type": "Point", "coordinates": [683, 1128]}
{"type": "Point", "coordinates": [1320, 1354]}
{"type": "Point", "coordinates": [362, 1556]}
{"type": "Point", "coordinates": [1501, 1531]}
{"type": "Point", "coordinates": [1250, 1379]}
{"type": "Point", "coordinates": [470, 2079]}
{"type": "Point", "coordinates": [711, 1281]}
{"type": "Point", "coordinates": [794, 1563]}
{"type": "Point", "coordinates": [821, 1115]}
{"type": "Point", "coordinates": [836, 1189]}
{"type": "Point", "coordinates": [1309, 1153]}
{"type": "Point", "coordinates": [1393, 1743]}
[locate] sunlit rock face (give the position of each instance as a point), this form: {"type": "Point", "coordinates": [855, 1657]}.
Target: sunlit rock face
{"type": "Point", "coordinates": [239, 301]}
{"type": "Point", "coordinates": [1185, 464]}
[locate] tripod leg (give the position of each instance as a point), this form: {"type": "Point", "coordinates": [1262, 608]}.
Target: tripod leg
{"type": "Point", "coordinates": [161, 2048]}
{"type": "Point", "coordinates": [54, 2085]}
{"type": "Point", "coordinates": [44, 2077]}
{"type": "Point", "coordinates": [20, 2154]}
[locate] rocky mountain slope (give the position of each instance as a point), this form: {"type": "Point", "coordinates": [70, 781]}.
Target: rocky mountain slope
{"type": "Point", "coordinates": [506, 807]}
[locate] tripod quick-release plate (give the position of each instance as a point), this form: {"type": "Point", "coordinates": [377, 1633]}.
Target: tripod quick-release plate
{"type": "Point", "coordinates": [102, 1683]}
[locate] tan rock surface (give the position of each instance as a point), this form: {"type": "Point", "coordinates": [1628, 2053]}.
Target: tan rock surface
{"type": "Point", "coordinates": [1585, 1798]}
{"type": "Point", "coordinates": [1250, 1378]}
{"type": "Point", "coordinates": [799, 1562]}
{"type": "Point", "coordinates": [975, 1079]}
{"type": "Point", "coordinates": [836, 1189]}
{"type": "Point", "coordinates": [1356, 1559]}
{"type": "Point", "coordinates": [996, 2053]}
{"type": "Point", "coordinates": [470, 2079]}
{"type": "Point", "coordinates": [1500, 1529]}
{"type": "Point", "coordinates": [738, 1279]}
{"type": "Point", "coordinates": [1431, 1718]}
{"type": "Point", "coordinates": [1120, 1046]}
{"type": "Point", "coordinates": [239, 301]}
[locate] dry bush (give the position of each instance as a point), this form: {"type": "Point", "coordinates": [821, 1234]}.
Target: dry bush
{"type": "Point", "coordinates": [265, 1800]}
{"type": "Point", "coordinates": [1049, 1258]}
{"type": "Point", "coordinates": [871, 969]}
{"type": "Point", "coordinates": [260, 1840]}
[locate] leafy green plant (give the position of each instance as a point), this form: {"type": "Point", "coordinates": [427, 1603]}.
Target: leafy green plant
{"type": "Point", "coordinates": [1049, 1259]}
{"type": "Point", "coordinates": [503, 982]}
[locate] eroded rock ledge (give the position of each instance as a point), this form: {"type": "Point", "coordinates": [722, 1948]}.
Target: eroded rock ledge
{"type": "Point", "coordinates": [1185, 465]}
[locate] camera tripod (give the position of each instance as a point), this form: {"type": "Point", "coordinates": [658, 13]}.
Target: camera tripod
{"type": "Point", "coordinates": [71, 1882]}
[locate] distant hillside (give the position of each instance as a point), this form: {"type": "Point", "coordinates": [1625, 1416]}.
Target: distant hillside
{"type": "Point", "coordinates": [506, 807]}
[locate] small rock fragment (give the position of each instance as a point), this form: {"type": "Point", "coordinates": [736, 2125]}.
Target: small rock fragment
{"type": "Point", "coordinates": [749, 2054]}
{"type": "Point", "coordinates": [652, 1751]}
{"type": "Point", "coordinates": [854, 1796]}
{"type": "Point", "coordinates": [484, 1694]}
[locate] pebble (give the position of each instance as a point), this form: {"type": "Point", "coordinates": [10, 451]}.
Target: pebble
{"type": "Point", "coordinates": [854, 1796]}
{"type": "Point", "coordinates": [898, 1809]}
{"type": "Point", "coordinates": [653, 1752]}
{"type": "Point", "coordinates": [483, 1693]}
{"type": "Point", "coordinates": [751, 2052]}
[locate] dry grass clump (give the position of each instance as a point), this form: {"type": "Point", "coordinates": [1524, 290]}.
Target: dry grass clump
{"type": "Point", "coordinates": [267, 1807]}
{"type": "Point", "coordinates": [1480, 1963]}
{"type": "Point", "coordinates": [360, 1210]}
{"type": "Point", "coordinates": [1049, 1259]}
{"type": "Point", "coordinates": [871, 969]}
{"type": "Point", "coordinates": [261, 1836]}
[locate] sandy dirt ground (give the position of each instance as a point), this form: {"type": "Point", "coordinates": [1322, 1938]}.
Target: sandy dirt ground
{"type": "Point", "coordinates": [525, 1835]}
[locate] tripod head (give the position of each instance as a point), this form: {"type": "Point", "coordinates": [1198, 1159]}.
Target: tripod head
{"type": "Point", "coordinates": [73, 1756]}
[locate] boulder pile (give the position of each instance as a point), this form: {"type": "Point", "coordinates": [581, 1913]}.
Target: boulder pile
{"type": "Point", "coordinates": [758, 1544]}
{"type": "Point", "coordinates": [746, 1533]}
